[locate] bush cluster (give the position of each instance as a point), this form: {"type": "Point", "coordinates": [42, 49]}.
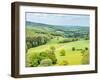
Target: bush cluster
{"type": "Point", "coordinates": [45, 58]}
{"type": "Point", "coordinates": [62, 52]}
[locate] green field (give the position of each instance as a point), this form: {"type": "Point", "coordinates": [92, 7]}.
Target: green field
{"type": "Point", "coordinates": [48, 45]}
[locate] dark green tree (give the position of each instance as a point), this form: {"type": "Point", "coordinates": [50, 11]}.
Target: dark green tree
{"type": "Point", "coordinates": [73, 48]}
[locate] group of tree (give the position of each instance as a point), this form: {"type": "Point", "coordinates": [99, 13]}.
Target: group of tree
{"type": "Point", "coordinates": [36, 41]}
{"type": "Point", "coordinates": [77, 34]}
{"type": "Point", "coordinates": [62, 52]}
{"type": "Point", "coordinates": [69, 40]}
{"type": "Point", "coordinates": [44, 58]}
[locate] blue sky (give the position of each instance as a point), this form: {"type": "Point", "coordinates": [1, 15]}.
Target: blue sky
{"type": "Point", "coordinates": [58, 19]}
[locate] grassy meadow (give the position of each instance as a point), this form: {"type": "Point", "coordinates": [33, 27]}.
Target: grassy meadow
{"type": "Point", "coordinates": [53, 45]}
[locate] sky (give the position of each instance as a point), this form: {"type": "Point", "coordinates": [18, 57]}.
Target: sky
{"type": "Point", "coordinates": [58, 19]}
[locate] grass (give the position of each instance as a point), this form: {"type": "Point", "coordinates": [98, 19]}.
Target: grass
{"type": "Point", "coordinates": [72, 57]}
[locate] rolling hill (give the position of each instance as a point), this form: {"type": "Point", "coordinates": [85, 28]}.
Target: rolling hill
{"type": "Point", "coordinates": [65, 30]}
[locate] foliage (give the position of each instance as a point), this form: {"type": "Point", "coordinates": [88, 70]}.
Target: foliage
{"type": "Point", "coordinates": [43, 55]}
{"type": "Point", "coordinates": [33, 60]}
{"type": "Point", "coordinates": [86, 48]}
{"type": "Point", "coordinates": [53, 58]}
{"type": "Point", "coordinates": [51, 55]}
{"type": "Point", "coordinates": [68, 40]}
{"type": "Point", "coordinates": [46, 62]}
{"type": "Point", "coordinates": [62, 52]}
{"type": "Point", "coordinates": [36, 41]}
{"type": "Point", "coordinates": [73, 48]}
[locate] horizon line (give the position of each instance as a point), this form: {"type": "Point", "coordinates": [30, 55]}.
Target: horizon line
{"type": "Point", "coordinates": [56, 25]}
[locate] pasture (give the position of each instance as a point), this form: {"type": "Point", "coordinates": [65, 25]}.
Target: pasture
{"type": "Point", "coordinates": [70, 56]}
{"type": "Point", "coordinates": [48, 45]}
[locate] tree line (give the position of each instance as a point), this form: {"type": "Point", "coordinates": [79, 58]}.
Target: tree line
{"type": "Point", "coordinates": [36, 41]}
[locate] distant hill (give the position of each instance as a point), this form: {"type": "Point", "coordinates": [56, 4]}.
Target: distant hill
{"type": "Point", "coordinates": [42, 24]}
{"type": "Point", "coordinates": [54, 29]}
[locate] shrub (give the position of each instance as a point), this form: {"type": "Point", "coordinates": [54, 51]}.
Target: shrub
{"type": "Point", "coordinates": [46, 62]}
{"type": "Point", "coordinates": [62, 52]}
{"type": "Point", "coordinates": [87, 38]}
{"type": "Point", "coordinates": [48, 54]}
{"type": "Point", "coordinates": [73, 48]}
{"type": "Point", "coordinates": [53, 58]}
{"type": "Point", "coordinates": [86, 48]}
{"type": "Point", "coordinates": [35, 63]}
{"type": "Point", "coordinates": [32, 60]}
{"type": "Point", "coordinates": [43, 55]}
